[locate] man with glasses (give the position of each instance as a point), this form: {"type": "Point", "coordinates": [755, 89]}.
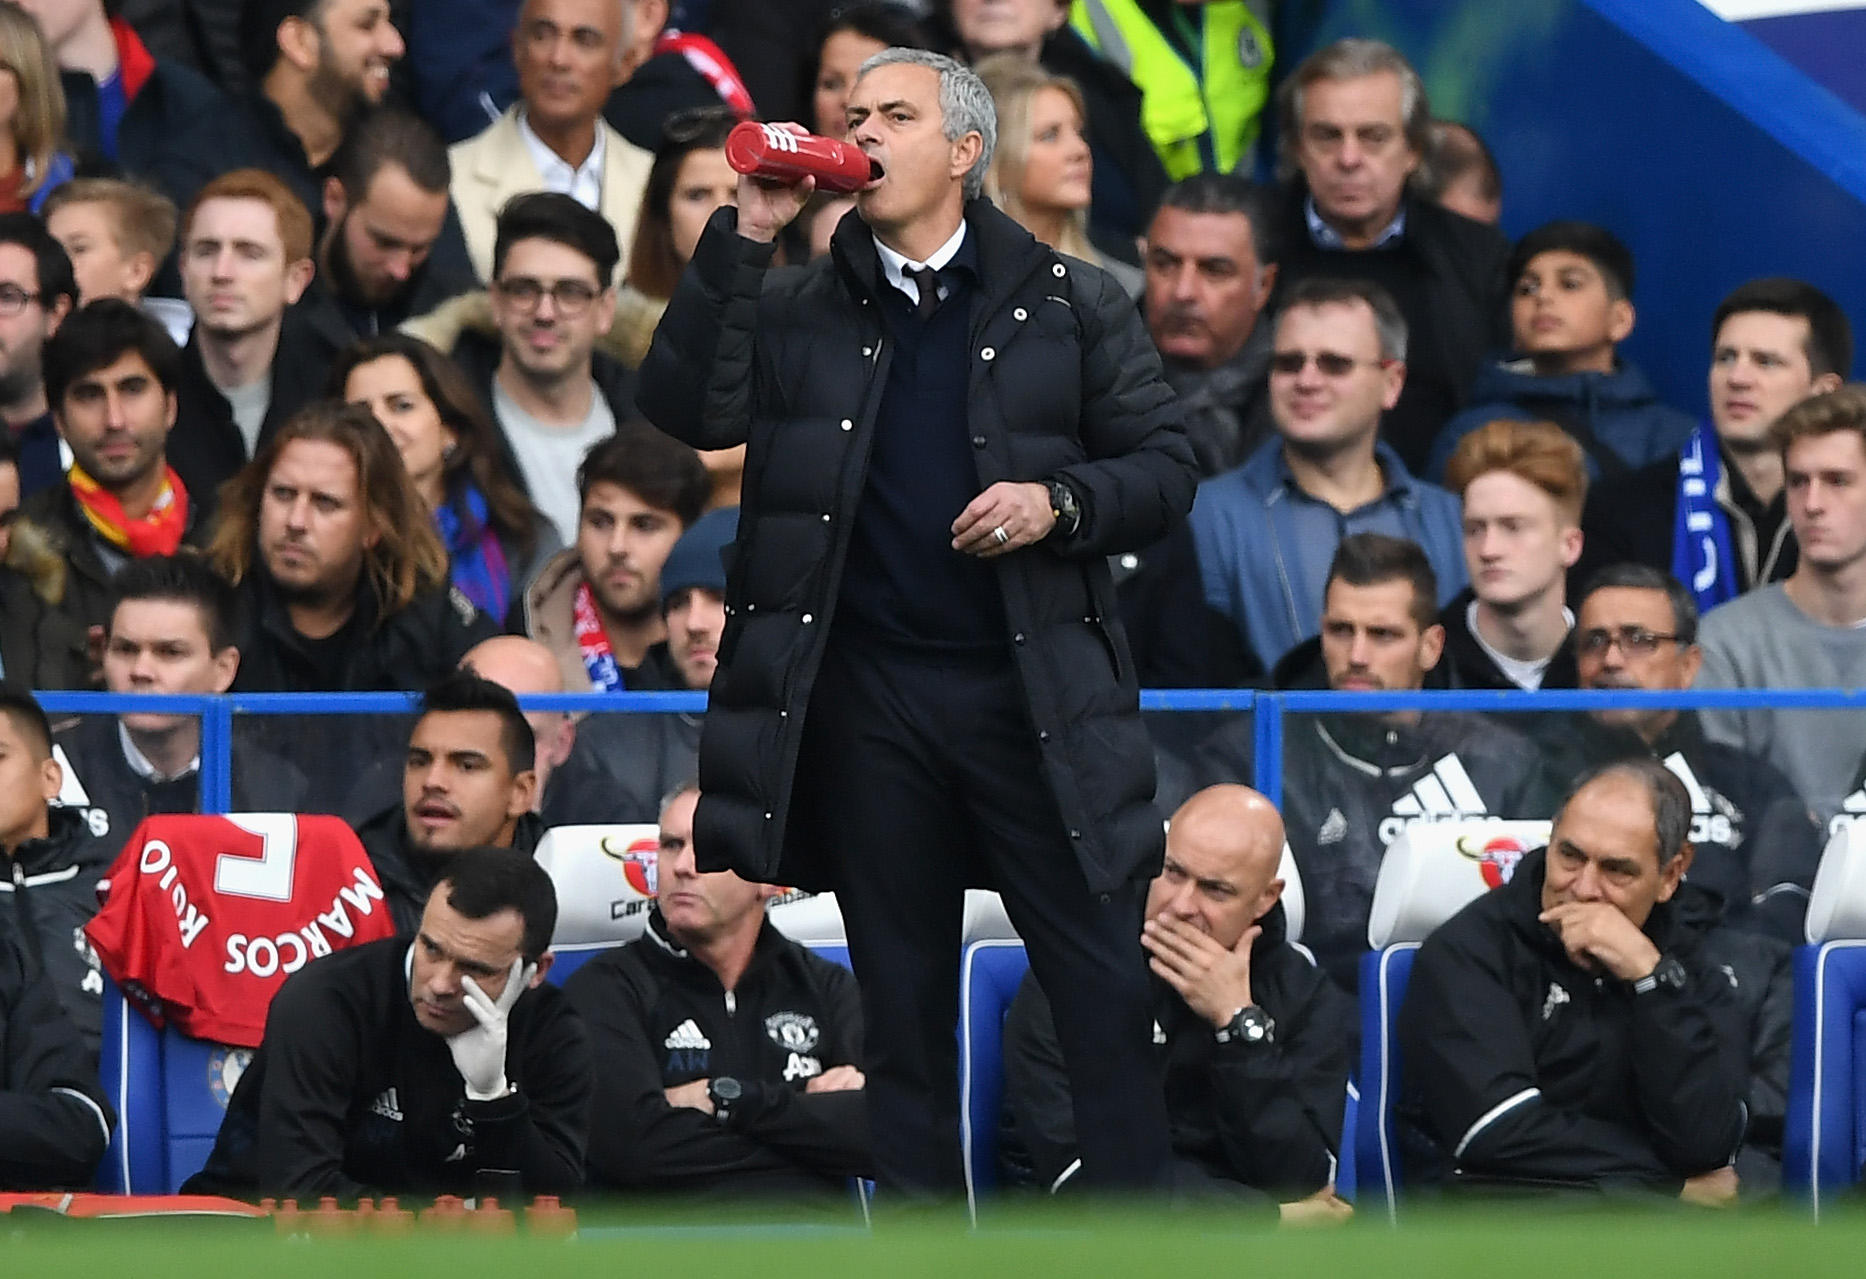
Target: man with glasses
{"type": "Point", "coordinates": [37, 291]}
{"type": "Point", "coordinates": [1266, 533]}
{"type": "Point", "coordinates": [553, 396]}
{"type": "Point", "coordinates": [1757, 846]}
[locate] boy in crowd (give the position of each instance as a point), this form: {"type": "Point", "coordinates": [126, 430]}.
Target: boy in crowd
{"type": "Point", "coordinates": [1571, 305]}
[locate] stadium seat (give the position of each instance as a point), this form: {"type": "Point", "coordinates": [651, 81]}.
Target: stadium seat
{"type": "Point", "coordinates": [807, 917]}
{"type": "Point", "coordinates": [1429, 874]}
{"type": "Point", "coordinates": [989, 976]}
{"type": "Point", "coordinates": [604, 876]}
{"type": "Point", "coordinates": [170, 1093]}
{"type": "Point", "coordinates": [1824, 1130]}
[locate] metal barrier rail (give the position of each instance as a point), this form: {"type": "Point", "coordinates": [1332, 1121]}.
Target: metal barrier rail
{"type": "Point", "coordinates": [1267, 708]}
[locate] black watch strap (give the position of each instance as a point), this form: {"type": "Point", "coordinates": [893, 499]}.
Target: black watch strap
{"type": "Point", "coordinates": [1248, 1025]}
{"type": "Point", "coordinates": [1668, 975]}
{"type": "Point", "coordinates": [1065, 507]}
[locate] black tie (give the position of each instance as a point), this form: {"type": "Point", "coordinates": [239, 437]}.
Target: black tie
{"type": "Point", "coordinates": [926, 279]}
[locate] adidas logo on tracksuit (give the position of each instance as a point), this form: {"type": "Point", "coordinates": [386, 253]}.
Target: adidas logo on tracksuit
{"type": "Point", "coordinates": [1709, 825]}
{"type": "Point", "coordinates": [687, 1037]}
{"type": "Point", "coordinates": [1445, 794]}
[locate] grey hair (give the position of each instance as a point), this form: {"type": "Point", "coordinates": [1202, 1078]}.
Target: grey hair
{"type": "Point", "coordinates": [1643, 577]}
{"type": "Point", "coordinates": [1351, 59]}
{"type": "Point", "coordinates": [1671, 803]}
{"type": "Point", "coordinates": [964, 105]}
{"type": "Point", "coordinates": [1321, 290]}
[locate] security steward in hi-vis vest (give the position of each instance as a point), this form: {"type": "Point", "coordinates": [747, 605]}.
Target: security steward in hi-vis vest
{"type": "Point", "coordinates": [1203, 72]}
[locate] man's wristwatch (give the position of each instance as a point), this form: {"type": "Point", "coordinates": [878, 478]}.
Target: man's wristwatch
{"type": "Point", "coordinates": [1064, 508]}
{"type": "Point", "coordinates": [1248, 1025]}
{"type": "Point", "coordinates": [1669, 973]}
{"type": "Point", "coordinates": [724, 1092]}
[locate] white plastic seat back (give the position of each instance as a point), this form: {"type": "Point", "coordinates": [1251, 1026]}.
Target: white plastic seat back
{"type": "Point", "coordinates": [1837, 903]}
{"type": "Point", "coordinates": [605, 880]}
{"type": "Point", "coordinates": [1435, 868]}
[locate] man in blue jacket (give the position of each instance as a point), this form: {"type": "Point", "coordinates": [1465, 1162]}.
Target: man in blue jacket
{"type": "Point", "coordinates": [1267, 532]}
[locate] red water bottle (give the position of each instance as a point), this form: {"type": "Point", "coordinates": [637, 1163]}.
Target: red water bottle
{"type": "Point", "coordinates": [787, 153]}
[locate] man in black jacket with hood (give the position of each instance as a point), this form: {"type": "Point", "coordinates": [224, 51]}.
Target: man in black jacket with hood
{"type": "Point", "coordinates": [1577, 1028]}
{"type": "Point", "coordinates": [468, 781]}
{"type": "Point", "coordinates": [950, 427]}
{"type": "Point", "coordinates": [1353, 782]}
{"type": "Point", "coordinates": [49, 867]}
{"type": "Point", "coordinates": [1257, 1041]}
{"type": "Point", "coordinates": [728, 1056]}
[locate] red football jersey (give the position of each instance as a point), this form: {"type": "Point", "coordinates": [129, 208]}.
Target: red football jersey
{"type": "Point", "coordinates": [207, 916]}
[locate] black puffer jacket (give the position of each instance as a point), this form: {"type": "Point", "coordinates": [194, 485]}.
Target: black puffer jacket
{"type": "Point", "coordinates": [1064, 384]}
{"type": "Point", "coordinates": [1522, 1066]}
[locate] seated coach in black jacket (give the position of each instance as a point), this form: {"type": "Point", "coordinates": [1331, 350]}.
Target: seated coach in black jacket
{"type": "Point", "coordinates": [728, 1056]}
{"type": "Point", "coordinates": [410, 1066]}
{"type": "Point", "coordinates": [1256, 1041]}
{"type": "Point", "coordinates": [1577, 1027]}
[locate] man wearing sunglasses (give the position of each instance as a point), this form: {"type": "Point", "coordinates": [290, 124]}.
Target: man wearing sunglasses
{"type": "Point", "coordinates": [1266, 533]}
{"type": "Point", "coordinates": [1757, 846]}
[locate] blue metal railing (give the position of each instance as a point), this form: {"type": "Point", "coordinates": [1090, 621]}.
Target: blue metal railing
{"type": "Point", "coordinates": [1267, 708]}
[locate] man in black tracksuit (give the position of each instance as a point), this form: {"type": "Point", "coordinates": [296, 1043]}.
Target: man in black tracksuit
{"type": "Point", "coordinates": [1352, 784]}
{"type": "Point", "coordinates": [49, 867]}
{"type": "Point", "coordinates": [401, 1067]}
{"type": "Point", "coordinates": [469, 780]}
{"type": "Point", "coordinates": [923, 683]}
{"type": "Point", "coordinates": [1257, 1042]}
{"type": "Point", "coordinates": [54, 1120]}
{"type": "Point", "coordinates": [728, 1056]}
{"type": "Point", "coordinates": [1757, 842]}
{"type": "Point", "coordinates": [1577, 1027]}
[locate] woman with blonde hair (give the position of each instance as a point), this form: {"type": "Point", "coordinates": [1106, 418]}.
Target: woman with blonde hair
{"type": "Point", "coordinates": [1042, 173]}
{"type": "Point", "coordinates": [32, 114]}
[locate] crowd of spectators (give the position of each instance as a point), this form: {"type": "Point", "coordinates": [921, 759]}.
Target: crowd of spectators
{"type": "Point", "coordinates": [320, 322]}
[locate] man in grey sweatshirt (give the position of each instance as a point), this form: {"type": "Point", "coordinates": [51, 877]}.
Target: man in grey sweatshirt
{"type": "Point", "coordinates": [1809, 631]}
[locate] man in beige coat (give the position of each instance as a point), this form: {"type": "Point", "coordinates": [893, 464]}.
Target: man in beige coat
{"type": "Point", "coordinates": [570, 55]}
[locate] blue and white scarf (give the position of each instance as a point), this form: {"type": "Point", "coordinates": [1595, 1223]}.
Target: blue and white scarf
{"type": "Point", "coordinates": [1701, 554]}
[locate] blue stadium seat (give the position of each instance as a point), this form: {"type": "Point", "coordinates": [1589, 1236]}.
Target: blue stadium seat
{"type": "Point", "coordinates": [170, 1093]}
{"type": "Point", "coordinates": [1429, 874]}
{"type": "Point", "coordinates": [1824, 1130]}
{"type": "Point", "coordinates": [570, 958]}
{"type": "Point", "coordinates": [990, 973]}
{"type": "Point", "coordinates": [1374, 1157]}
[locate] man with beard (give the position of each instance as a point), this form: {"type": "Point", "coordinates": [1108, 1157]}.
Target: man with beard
{"type": "Point", "coordinates": [110, 374]}
{"type": "Point", "coordinates": [597, 603]}
{"type": "Point", "coordinates": [316, 66]}
{"type": "Point", "coordinates": [343, 584]}
{"type": "Point", "coordinates": [392, 248]}
{"type": "Point", "coordinates": [252, 360]}
{"type": "Point", "coordinates": [37, 291]}
{"type": "Point", "coordinates": [1354, 782]}
{"type": "Point", "coordinates": [1757, 845]}
{"type": "Point", "coordinates": [1266, 532]}
{"type": "Point", "coordinates": [468, 781]}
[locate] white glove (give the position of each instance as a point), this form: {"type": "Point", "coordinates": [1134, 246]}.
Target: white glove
{"type": "Point", "coordinates": [479, 1053]}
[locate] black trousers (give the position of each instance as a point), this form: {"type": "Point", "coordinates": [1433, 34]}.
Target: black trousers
{"type": "Point", "coordinates": [922, 776]}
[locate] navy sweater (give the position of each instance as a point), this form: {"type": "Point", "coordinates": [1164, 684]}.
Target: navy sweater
{"type": "Point", "coordinates": [903, 584]}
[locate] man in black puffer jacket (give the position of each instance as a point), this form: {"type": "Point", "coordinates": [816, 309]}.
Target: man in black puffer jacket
{"type": "Point", "coordinates": [1579, 1027]}
{"type": "Point", "coordinates": [949, 429]}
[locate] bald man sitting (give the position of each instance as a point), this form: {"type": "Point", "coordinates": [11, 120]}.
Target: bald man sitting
{"type": "Point", "coordinates": [1256, 1041]}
